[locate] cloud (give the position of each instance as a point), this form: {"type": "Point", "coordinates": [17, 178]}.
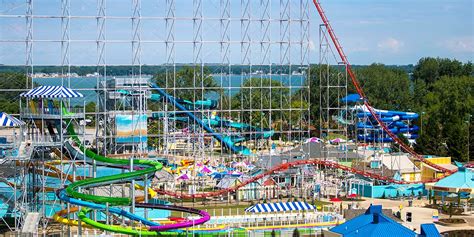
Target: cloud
{"type": "Point", "coordinates": [390, 45]}
{"type": "Point", "coordinates": [460, 44]}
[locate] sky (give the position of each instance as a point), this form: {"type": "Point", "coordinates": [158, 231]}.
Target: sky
{"type": "Point", "coordinates": [389, 32]}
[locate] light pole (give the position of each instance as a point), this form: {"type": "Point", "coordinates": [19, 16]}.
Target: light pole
{"type": "Point", "coordinates": [468, 135]}
{"type": "Point", "coordinates": [421, 123]}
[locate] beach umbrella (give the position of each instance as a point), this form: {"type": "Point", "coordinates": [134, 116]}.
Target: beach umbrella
{"type": "Point", "coordinates": [314, 139]}
{"type": "Point", "coordinates": [452, 195]}
{"type": "Point", "coordinates": [335, 199]}
{"type": "Point", "coordinates": [206, 170]}
{"type": "Point", "coordinates": [184, 177]}
{"type": "Point", "coordinates": [352, 195]}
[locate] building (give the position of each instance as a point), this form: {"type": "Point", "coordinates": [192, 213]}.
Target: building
{"type": "Point", "coordinates": [373, 223]}
{"type": "Point", "coordinates": [402, 165]}
{"type": "Point", "coordinates": [429, 173]}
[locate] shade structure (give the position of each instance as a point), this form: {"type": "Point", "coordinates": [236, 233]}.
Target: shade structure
{"type": "Point", "coordinates": [184, 177]}
{"type": "Point", "coordinates": [280, 207]}
{"type": "Point", "coordinates": [352, 195]}
{"type": "Point", "coordinates": [52, 92]}
{"type": "Point", "coordinates": [461, 181]}
{"type": "Point", "coordinates": [335, 199]}
{"type": "Point", "coordinates": [314, 139]}
{"type": "Point", "coordinates": [7, 120]}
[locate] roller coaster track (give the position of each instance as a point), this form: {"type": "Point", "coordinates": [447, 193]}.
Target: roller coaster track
{"type": "Point", "coordinates": [283, 167]}
{"type": "Point", "coordinates": [325, 163]}
{"type": "Point", "coordinates": [361, 93]}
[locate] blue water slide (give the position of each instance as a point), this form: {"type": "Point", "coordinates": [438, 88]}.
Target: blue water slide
{"type": "Point", "coordinates": [376, 138]}
{"type": "Point", "coordinates": [390, 114]}
{"type": "Point", "coordinates": [410, 129]}
{"type": "Point", "coordinates": [201, 104]}
{"type": "Point", "coordinates": [373, 138]}
{"type": "Point", "coordinates": [264, 133]}
{"type": "Point", "coordinates": [225, 141]}
{"type": "Point", "coordinates": [63, 197]}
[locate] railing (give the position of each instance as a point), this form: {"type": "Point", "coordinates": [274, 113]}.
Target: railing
{"type": "Point", "coordinates": [17, 151]}
{"type": "Point", "coordinates": [9, 140]}
{"type": "Point", "coordinates": [52, 112]}
{"type": "Point", "coordinates": [45, 138]}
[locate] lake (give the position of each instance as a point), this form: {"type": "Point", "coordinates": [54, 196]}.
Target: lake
{"type": "Point", "coordinates": [232, 83]}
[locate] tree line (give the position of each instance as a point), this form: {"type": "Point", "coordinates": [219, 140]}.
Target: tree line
{"type": "Point", "coordinates": [440, 90]}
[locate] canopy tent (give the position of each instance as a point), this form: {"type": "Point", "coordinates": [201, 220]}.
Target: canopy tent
{"type": "Point", "coordinates": [51, 92]}
{"type": "Point", "coordinates": [461, 181]}
{"type": "Point", "coordinates": [279, 207]}
{"type": "Point", "coordinates": [7, 120]}
{"type": "Point", "coordinates": [184, 177]}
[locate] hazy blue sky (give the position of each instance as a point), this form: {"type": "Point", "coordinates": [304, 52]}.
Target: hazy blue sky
{"type": "Point", "coordinates": [390, 32]}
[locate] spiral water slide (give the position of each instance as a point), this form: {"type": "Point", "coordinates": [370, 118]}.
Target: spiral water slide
{"type": "Point", "coordinates": [72, 195]}
{"type": "Point", "coordinates": [323, 163]}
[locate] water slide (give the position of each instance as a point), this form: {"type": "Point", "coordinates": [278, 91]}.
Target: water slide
{"type": "Point", "coordinates": [227, 142]}
{"type": "Point", "coordinates": [198, 104]}
{"type": "Point", "coordinates": [215, 121]}
{"type": "Point", "coordinates": [260, 133]}
{"type": "Point", "coordinates": [71, 194]}
{"type": "Point", "coordinates": [395, 122]}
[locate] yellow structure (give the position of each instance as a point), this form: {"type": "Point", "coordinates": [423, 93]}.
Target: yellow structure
{"type": "Point", "coordinates": [428, 172]}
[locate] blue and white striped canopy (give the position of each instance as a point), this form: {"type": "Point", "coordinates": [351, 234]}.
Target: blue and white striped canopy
{"type": "Point", "coordinates": [7, 120]}
{"type": "Point", "coordinates": [280, 206]}
{"type": "Point", "coordinates": [51, 92]}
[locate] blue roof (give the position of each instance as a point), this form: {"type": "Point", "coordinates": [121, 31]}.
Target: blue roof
{"type": "Point", "coordinates": [429, 230]}
{"type": "Point", "coordinates": [463, 178]}
{"type": "Point", "coordinates": [373, 223]}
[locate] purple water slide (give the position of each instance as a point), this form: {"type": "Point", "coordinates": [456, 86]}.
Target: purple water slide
{"type": "Point", "coordinates": [185, 224]}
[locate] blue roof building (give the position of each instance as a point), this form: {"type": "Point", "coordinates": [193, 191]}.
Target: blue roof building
{"type": "Point", "coordinates": [373, 223]}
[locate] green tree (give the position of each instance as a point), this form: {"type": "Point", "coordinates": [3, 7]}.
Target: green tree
{"type": "Point", "coordinates": [11, 85]}
{"type": "Point", "coordinates": [189, 83]}
{"type": "Point", "coordinates": [387, 88]}
{"type": "Point", "coordinates": [431, 140]}
{"type": "Point", "coordinates": [429, 70]}
{"type": "Point", "coordinates": [451, 101]}
{"type": "Point", "coordinates": [402, 138]}
{"type": "Point", "coordinates": [155, 130]}
{"type": "Point", "coordinates": [263, 102]}
{"type": "Point", "coordinates": [90, 107]}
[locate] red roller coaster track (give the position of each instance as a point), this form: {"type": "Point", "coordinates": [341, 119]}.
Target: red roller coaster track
{"type": "Point", "coordinates": [327, 164]}
{"type": "Point", "coordinates": [361, 93]}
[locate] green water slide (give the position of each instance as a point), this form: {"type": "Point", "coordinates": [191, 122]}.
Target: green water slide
{"type": "Point", "coordinates": [73, 196]}
{"type": "Point", "coordinates": [72, 188]}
